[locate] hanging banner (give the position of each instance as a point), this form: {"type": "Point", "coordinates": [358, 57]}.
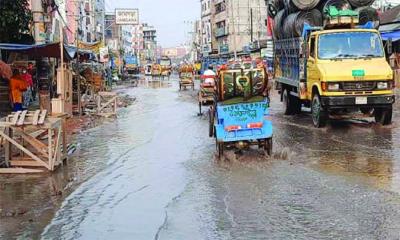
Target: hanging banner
{"type": "Point", "coordinates": [95, 47]}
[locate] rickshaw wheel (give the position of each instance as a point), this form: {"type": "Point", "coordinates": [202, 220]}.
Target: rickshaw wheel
{"type": "Point", "coordinates": [268, 146]}
{"type": "Point", "coordinates": [211, 132]}
{"type": "Point", "coordinates": [220, 149]}
{"type": "Point", "coordinates": [200, 113]}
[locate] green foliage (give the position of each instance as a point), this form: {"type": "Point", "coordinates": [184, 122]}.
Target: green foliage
{"type": "Point", "coordinates": [15, 20]}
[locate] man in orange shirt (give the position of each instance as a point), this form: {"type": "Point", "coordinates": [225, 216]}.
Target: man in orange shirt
{"type": "Point", "coordinates": [17, 86]}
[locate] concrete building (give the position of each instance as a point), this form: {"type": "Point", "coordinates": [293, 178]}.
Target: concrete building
{"type": "Point", "coordinates": [206, 27]}
{"type": "Point", "coordinates": [237, 23]}
{"type": "Point", "coordinates": [91, 18]}
{"type": "Point", "coordinates": [150, 42]}
{"type": "Point", "coordinates": [112, 32]}
{"type": "Point", "coordinates": [126, 39]}
{"type": "Point", "coordinates": [138, 40]}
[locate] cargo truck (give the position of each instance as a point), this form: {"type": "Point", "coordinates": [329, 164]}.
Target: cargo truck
{"type": "Point", "coordinates": [336, 70]}
{"type": "Point", "coordinates": [131, 66]}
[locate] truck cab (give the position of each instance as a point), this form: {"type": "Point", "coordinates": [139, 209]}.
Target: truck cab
{"type": "Point", "coordinates": [336, 71]}
{"type": "Point", "coordinates": [347, 70]}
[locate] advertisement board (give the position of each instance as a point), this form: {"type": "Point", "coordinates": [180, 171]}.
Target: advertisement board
{"type": "Point", "coordinates": [126, 16]}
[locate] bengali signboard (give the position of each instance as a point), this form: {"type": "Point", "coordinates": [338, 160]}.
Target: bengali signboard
{"type": "Point", "coordinates": [127, 16]}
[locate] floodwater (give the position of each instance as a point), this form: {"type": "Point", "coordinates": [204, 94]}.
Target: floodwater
{"type": "Point", "coordinates": [152, 174]}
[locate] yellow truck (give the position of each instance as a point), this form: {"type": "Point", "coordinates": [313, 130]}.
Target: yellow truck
{"type": "Point", "coordinates": [335, 72]}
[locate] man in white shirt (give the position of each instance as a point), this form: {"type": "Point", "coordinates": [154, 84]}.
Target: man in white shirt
{"type": "Point", "coordinates": [209, 75]}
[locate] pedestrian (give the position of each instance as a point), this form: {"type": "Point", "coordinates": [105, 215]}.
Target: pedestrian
{"type": "Point", "coordinates": [209, 75]}
{"type": "Point", "coordinates": [17, 86]}
{"type": "Point", "coordinates": [28, 93]}
{"type": "Point", "coordinates": [31, 70]}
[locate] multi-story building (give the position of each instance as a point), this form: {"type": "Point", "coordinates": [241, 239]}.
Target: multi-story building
{"type": "Point", "coordinates": [138, 40]}
{"type": "Point", "coordinates": [112, 32]}
{"type": "Point", "coordinates": [150, 42]}
{"type": "Point", "coordinates": [91, 18]}
{"type": "Point", "coordinates": [206, 27]}
{"type": "Point", "coordinates": [126, 39]}
{"type": "Point", "coordinates": [237, 23]}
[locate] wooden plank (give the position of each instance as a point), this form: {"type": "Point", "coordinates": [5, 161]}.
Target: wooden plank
{"type": "Point", "coordinates": [107, 104]}
{"type": "Point", "coordinates": [50, 149]}
{"type": "Point", "coordinates": [19, 170]}
{"type": "Point", "coordinates": [26, 151]}
{"type": "Point", "coordinates": [25, 163]}
{"type": "Point", "coordinates": [22, 118]}
{"type": "Point", "coordinates": [7, 147]}
{"type": "Point", "coordinates": [38, 145]}
{"type": "Point", "coordinates": [15, 118]}
{"type": "Point", "coordinates": [43, 115]}
{"type": "Point", "coordinates": [36, 117]}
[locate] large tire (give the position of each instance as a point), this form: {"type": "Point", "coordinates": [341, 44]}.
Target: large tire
{"type": "Point", "coordinates": [286, 101]}
{"type": "Point", "coordinates": [296, 104]}
{"type": "Point", "coordinates": [268, 146]}
{"type": "Point", "coordinates": [319, 115]}
{"type": "Point", "coordinates": [383, 115]}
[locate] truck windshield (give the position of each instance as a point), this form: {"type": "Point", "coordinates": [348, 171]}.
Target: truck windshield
{"type": "Point", "coordinates": [349, 45]}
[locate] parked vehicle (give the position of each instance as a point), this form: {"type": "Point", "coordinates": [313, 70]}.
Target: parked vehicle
{"type": "Point", "coordinates": [186, 77]}
{"type": "Point", "coordinates": [335, 70]}
{"type": "Point", "coordinates": [239, 117]}
{"type": "Point", "coordinates": [166, 66]}
{"type": "Point", "coordinates": [131, 66]}
{"type": "Point", "coordinates": [148, 70]}
{"type": "Point", "coordinates": [206, 94]}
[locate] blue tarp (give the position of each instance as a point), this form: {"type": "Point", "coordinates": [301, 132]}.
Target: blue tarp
{"type": "Point", "coordinates": [395, 35]}
{"type": "Point", "coordinates": [41, 50]}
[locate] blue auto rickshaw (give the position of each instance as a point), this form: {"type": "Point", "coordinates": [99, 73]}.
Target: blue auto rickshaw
{"type": "Point", "coordinates": [240, 116]}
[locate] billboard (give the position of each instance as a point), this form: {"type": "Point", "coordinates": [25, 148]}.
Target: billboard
{"type": "Point", "coordinates": [126, 16]}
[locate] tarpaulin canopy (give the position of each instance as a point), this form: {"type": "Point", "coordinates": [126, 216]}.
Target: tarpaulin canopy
{"type": "Point", "coordinates": [395, 35]}
{"type": "Point", "coordinates": [41, 50]}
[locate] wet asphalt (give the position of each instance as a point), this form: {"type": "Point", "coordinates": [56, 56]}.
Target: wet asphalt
{"type": "Point", "coordinates": [153, 174]}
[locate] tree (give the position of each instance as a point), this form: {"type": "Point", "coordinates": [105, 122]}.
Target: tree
{"type": "Point", "coordinates": [15, 20]}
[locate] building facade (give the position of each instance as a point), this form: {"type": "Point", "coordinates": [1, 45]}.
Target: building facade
{"type": "Point", "coordinates": [206, 27]}
{"type": "Point", "coordinates": [150, 42]}
{"type": "Point", "coordinates": [229, 26]}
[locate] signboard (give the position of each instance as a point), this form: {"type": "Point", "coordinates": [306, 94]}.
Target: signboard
{"type": "Point", "coordinates": [127, 16]}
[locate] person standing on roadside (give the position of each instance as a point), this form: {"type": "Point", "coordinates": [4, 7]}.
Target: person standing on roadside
{"type": "Point", "coordinates": [28, 93]}
{"type": "Point", "coordinates": [17, 86]}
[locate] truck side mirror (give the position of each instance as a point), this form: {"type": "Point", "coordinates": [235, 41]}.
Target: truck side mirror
{"type": "Point", "coordinates": [390, 46]}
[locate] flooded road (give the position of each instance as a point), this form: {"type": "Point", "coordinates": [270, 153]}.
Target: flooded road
{"type": "Point", "coordinates": [152, 174]}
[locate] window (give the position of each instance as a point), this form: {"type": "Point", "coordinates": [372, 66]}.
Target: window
{"type": "Point", "coordinates": [312, 47]}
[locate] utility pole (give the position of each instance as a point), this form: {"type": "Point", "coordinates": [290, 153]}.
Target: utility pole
{"type": "Point", "coordinates": [234, 30]}
{"type": "Point", "coordinates": [38, 21]}
{"type": "Point", "coordinates": [251, 25]}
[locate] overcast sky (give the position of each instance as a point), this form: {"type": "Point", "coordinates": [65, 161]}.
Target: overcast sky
{"type": "Point", "coordinates": [168, 16]}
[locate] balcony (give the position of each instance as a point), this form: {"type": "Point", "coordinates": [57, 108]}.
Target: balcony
{"type": "Point", "coordinates": [221, 32]}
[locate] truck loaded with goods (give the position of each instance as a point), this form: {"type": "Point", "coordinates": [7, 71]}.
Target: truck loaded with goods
{"type": "Point", "coordinates": [329, 56]}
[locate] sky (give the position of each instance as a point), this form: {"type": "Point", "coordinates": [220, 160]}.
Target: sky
{"type": "Point", "coordinates": [170, 17]}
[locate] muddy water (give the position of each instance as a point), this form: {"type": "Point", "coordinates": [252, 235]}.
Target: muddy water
{"type": "Point", "coordinates": [152, 174]}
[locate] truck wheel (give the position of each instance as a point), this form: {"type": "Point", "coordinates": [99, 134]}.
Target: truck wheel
{"type": "Point", "coordinates": [383, 115]}
{"type": "Point", "coordinates": [296, 104]}
{"type": "Point", "coordinates": [287, 102]}
{"type": "Point", "coordinates": [319, 115]}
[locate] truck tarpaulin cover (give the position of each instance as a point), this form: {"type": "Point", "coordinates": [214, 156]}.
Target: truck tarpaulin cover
{"type": "Point", "coordinates": [395, 36]}
{"type": "Point", "coordinates": [42, 50]}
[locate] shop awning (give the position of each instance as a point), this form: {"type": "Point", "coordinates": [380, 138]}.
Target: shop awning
{"type": "Point", "coordinates": [394, 35]}
{"type": "Point", "coordinates": [42, 50]}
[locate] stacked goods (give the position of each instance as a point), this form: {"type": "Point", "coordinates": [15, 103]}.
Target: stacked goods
{"type": "Point", "coordinates": [291, 15]}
